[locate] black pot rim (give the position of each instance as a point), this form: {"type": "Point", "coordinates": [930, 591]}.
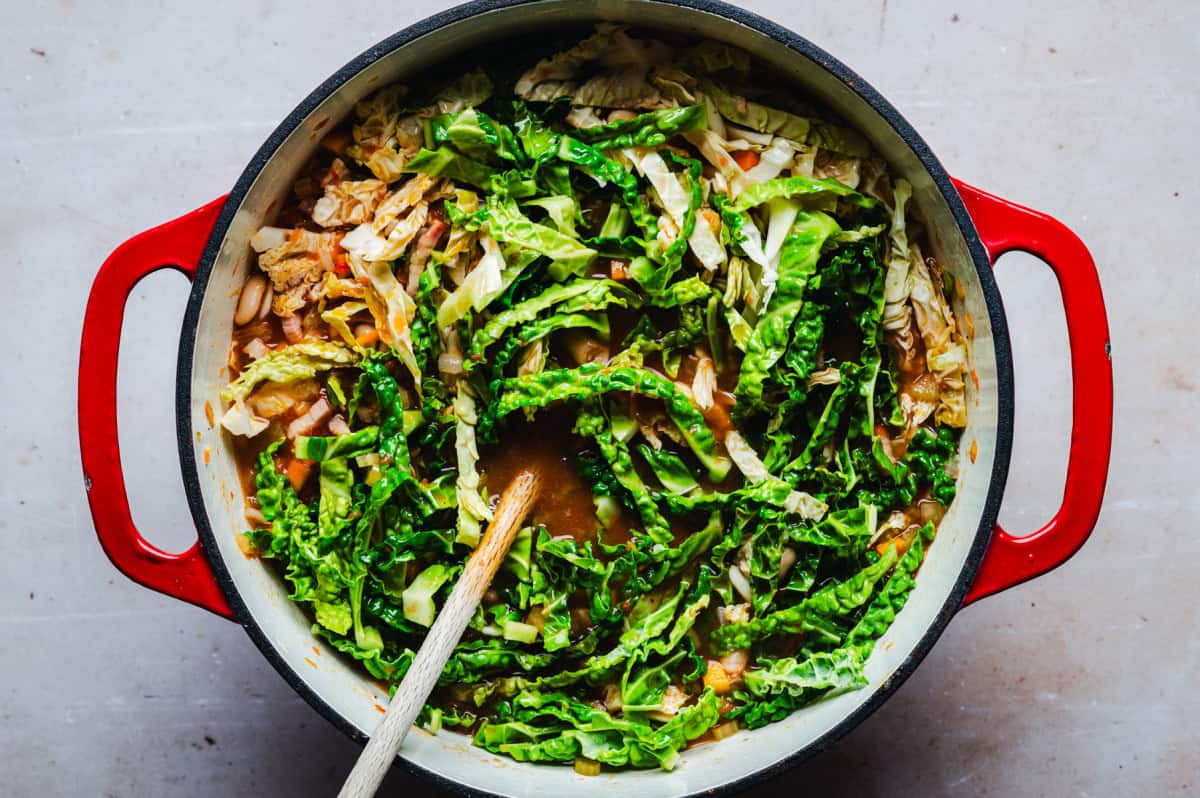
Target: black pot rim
{"type": "Point", "coordinates": [735, 15]}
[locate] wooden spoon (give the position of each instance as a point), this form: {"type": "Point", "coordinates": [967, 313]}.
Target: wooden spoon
{"type": "Point", "coordinates": [421, 678]}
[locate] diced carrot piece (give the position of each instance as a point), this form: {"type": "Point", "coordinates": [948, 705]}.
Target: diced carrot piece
{"type": "Point", "coordinates": [716, 678]}
{"type": "Point", "coordinates": [298, 471]}
{"type": "Point", "coordinates": [616, 269]}
{"type": "Point", "coordinates": [340, 267]}
{"type": "Point", "coordinates": [747, 159]}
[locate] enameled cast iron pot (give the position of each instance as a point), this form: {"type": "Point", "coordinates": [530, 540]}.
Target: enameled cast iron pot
{"type": "Point", "coordinates": [971, 558]}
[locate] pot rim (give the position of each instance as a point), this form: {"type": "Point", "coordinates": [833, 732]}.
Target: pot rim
{"type": "Point", "coordinates": [801, 46]}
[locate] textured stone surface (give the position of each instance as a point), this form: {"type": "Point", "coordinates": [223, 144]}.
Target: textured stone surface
{"type": "Point", "coordinates": [1081, 683]}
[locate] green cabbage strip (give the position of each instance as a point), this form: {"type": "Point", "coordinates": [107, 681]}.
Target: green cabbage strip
{"type": "Point", "coordinates": [508, 224]}
{"type": "Point", "coordinates": [582, 294]}
{"type": "Point", "coordinates": [834, 601]}
{"type": "Point", "coordinates": [592, 161]}
{"type": "Point", "coordinates": [593, 379]}
{"type": "Point", "coordinates": [476, 135]}
{"type": "Point", "coordinates": [540, 329]}
{"type": "Point", "coordinates": [357, 442]}
{"type": "Point", "coordinates": [824, 192]}
{"type": "Point", "coordinates": [556, 728]}
{"type": "Point", "coordinates": [591, 421]}
{"type": "Point", "coordinates": [798, 262]}
{"type": "Point", "coordinates": [445, 162]}
{"type": "Point", "coordinates": [655, 280]}
{"type": "Point", "coordinates": [645, 130]}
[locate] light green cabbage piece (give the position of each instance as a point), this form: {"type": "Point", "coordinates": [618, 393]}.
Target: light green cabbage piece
{"type": "Point", "coordinates": [755, 472]}
{"type": "Point", "coordinates": [765, 119]}
{"type": "Point", "coordinates": [472, 509]}
{"type": "Point", "coordinates": [509, 225]}
{"type": "Point", "coordinates": [468, 91]}
{"type": "Point", "coordinates": [339, 319]}
{"type": "Point", "coordinates": [562, 211]}
{"type": "Point", "coordinates": [418, 597]}
{"type": "Point", "coordinates": [482, 285]}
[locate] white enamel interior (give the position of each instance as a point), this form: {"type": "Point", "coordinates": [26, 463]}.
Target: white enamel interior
{"type": "Point", "coordinates": [342, 686]}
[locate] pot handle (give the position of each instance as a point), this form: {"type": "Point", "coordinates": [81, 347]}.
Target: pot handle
{"type": "Point", "coordinates": [1004, 226]}
{"type": "Point", "coordinates": [176, 245]}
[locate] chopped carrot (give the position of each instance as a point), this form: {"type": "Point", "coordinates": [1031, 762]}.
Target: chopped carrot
{"type": "Point", "coordinates": [368, 338]}
{"type": "Point", "coordinates": [746, 159]}
{"type": "Point", "coordinates": [616, 269]}
{"type": "Point", "coordinates": [974, 450]}
{"type": "Point", "coordinates": [298, 471]}
{"type": "Point", "coordinates": [901, 542]}
{"type": "Point", "coordinates": [716, 678]}
{"type": "Point", "coordinates": [336, 141]}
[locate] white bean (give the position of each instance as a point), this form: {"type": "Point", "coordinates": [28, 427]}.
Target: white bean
{"type": "Point", "coordinates": [265, 307]}
{"type": "Point", "coordinates": [250, 299]}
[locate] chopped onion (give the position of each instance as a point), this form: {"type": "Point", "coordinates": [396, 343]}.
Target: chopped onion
{"type": "Point", "coordinates": [787, 558]}
{"type": "Point", "coordinates": [306, 423]}
{"type": "Point", "coordinates": [293, 328]}
{"type": "Point", "coordinates": [256, 348]}
{"type": "Point", "coordinates": [338, 425]}
{"type": "Point", "coordinates": [268, 238]}
{"type": "Point", "coordinates": [450, 364]}
{"type": "Point", "coordinates": [740, 583]}
{"type": "Point", "coordinates": [612, 697]}
{"type": "Point", "coordinates": [704, 383]}
{"type": "Point", "coordinates": [735, 662]}
{"type": "Point", "coordinates": [752, 136]}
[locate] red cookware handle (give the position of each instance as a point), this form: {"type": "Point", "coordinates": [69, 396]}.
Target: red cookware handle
{"type": "Point", "coordinates": [1004, 226]}
{"type": "Point", "coordinates": [175, 245]}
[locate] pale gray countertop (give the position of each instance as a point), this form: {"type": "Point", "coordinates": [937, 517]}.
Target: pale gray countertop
{"type": "Point", "coordinates": [117, 116]}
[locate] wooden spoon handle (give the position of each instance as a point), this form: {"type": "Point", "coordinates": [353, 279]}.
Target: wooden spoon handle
{"type": "Point", "coordinates": [448, 627]}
